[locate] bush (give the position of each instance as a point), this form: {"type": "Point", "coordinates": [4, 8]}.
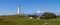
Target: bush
{"type": "Point", "coordinates": [48, 15]}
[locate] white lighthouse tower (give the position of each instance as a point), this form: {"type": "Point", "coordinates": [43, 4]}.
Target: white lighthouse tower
{"type": "Point", "coordinates": [18, 10]}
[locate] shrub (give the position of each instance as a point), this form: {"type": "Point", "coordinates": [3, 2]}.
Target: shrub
{"type": "Point", "coordinates": [48, 15]}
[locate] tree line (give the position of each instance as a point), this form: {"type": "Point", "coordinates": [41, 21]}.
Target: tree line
{"type": "Point", "coordinates": [46, 15]}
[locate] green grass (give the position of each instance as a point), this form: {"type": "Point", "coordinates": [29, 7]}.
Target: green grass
{"type": "Point", "coordinates": [27, 21]}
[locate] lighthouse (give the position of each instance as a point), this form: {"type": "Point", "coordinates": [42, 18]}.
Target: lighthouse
{"type": "Point", "coordinates": [18, 10]}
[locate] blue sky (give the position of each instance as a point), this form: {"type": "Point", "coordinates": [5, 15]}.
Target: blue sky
{"type": "Point", "coordinates": [29, 6]}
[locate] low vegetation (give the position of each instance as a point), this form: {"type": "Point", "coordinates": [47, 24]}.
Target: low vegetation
{"type": "Point", "coordinates": [27, 21]}
{"type": "Point", "coordinates": [49, 18]}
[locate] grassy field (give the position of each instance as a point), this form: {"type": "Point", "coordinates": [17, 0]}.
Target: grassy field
{"type": "Point", "coordinates": [27, 21]}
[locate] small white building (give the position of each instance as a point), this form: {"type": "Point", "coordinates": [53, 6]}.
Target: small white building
{"type": "Point", "coordinates": [38, 18]}
{"type": "Point", "coordinates": [31, 17]}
